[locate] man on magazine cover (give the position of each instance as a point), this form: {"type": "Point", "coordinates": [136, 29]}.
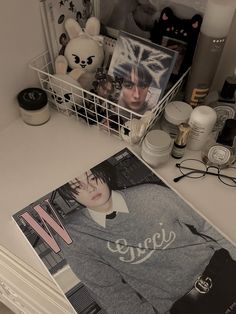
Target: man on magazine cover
{"type": "Point", "coordinates": [135, 249]}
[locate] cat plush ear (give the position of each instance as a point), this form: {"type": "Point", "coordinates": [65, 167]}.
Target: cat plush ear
{"type": "Point", "coordinates": [196, 21]}
{"type": "Point", "coordinates": [166, 14]}
{"type": "Point", "coordinates": [73, 28]}
{"type": "Point", "coordinates": [61, 65]}
{"type": "Point", "coordinates": [92, 26]}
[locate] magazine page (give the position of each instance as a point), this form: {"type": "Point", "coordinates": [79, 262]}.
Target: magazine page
{"type": "Point", "coordinates": [133, 243]}
{"type": "Point", "coordinates": [144, 68]}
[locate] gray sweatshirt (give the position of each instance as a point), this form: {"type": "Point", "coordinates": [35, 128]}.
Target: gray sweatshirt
{"type": "Point", "coordinates": [143, 260]}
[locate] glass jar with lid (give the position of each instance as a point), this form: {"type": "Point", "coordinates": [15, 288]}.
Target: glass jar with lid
{"type": "Point", "coordinates": [175, 113]}
{"type": "Point", "coordinates": [221, 152]}
{"type": "Point", "coordinates": [156, 147]}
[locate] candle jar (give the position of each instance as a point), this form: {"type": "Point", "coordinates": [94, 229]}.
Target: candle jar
{"type": "Point", "coordinates": [175, 113]}
{"type": "Point", "coordinates": [34, 108]}
{"type": "Point", "coordinates": [156, 147]}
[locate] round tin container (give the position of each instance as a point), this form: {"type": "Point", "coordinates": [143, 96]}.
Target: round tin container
{"type": "Point", "coordinates": [34, 108]}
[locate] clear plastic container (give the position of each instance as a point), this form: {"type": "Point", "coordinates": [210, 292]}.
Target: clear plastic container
{"type": "Point", "coordinates": [156, 148]}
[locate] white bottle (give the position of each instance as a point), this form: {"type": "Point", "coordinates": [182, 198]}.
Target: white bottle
{"type": "Point", "coordinates": [202, 121]}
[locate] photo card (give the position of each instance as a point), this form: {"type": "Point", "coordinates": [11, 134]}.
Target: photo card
{"type": "Point", "coordinates": [106, 86]}
{"type": "Point", "coordinates": [144, 68]}
{"type": "Point", "coordinates": [180, 47]}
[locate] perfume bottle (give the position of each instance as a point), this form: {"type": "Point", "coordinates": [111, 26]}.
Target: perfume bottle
{"type": "Point", "coordinates": [221, 152]}
{"type": "Point", "coordinates": [180, 142]}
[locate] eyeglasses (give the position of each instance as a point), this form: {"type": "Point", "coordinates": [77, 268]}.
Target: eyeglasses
{"type": "Point", "coordinates": [193, 168]}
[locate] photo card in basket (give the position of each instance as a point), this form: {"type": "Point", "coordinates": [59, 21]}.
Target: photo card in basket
{"type": "Point", "coordinates": [133, 244]}
{"type": "Point", "coordinates": [144, 68]}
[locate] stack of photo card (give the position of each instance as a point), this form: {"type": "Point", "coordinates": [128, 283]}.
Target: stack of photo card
{"type": "Point", "coordinates": [144, 68]}
{"type": "Point", "coordinates": [133, 243]}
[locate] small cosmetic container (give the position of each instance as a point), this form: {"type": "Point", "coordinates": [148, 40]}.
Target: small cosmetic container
{"type": "Point", "coordinates": [221, 152]}
{"type": "Point", "coordinates": [202, 121]}
{"type": "Point", "coordinates": [156, 148]}
{"type": "Point", "coordinates": [34, 108]}
{"type": "Point", "coordinates": [175, 113]}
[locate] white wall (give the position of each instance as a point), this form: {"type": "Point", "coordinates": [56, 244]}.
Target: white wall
{"type": "Point", "coordinates": [22, 38]}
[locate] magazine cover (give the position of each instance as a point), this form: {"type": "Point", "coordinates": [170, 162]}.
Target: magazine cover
{"type": "Point", "coordinates": [133, 243]}
{"type": "Point", "coordinates": [145, 69]}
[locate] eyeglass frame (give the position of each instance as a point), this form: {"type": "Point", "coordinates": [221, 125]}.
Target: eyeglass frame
{"type": "Point", "coordinates": [204, 172]}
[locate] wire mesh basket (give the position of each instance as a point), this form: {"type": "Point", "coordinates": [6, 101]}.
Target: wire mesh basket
{"type": "Point", "coordinates": [92, 109]}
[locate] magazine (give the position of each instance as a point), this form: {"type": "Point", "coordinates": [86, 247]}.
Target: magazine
{"type": "Point", "coordinates": [133, 243]}
{"type": "Point", "coordinates": [145, 69]}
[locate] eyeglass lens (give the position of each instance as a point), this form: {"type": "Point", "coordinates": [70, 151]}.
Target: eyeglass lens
{"type": "Point", "coordinates": [228, 176]}
{"type": "Point", "coordinates": [192, 168]}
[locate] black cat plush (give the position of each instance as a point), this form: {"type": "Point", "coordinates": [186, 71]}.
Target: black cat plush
{"type": "Point", "coordinates": [177, 34]}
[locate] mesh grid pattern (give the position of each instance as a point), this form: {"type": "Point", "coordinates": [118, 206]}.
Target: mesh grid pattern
{"type": "Point", "coordinates": [90, 108]}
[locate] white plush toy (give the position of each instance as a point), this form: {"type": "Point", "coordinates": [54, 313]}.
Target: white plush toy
{"type": "Point", "coordinates": [63, 94]}
{"type": "Point", "coordinates": [84, 50]}
{"type": "Point", "coordinates": [134, 129]}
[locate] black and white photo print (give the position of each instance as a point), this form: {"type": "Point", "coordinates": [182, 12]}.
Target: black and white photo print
{"type": "Point", "coordinates": [144, 68]}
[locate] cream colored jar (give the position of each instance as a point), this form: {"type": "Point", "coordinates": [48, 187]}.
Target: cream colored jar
{"type": "Point", "coordinates": [156, 148]}
{"type": "Point", "coordinates": [175, 113]}
{"type": "Point", "coordinates": [34, 108]}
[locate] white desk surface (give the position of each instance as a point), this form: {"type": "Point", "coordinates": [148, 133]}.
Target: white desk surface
{"type": "Point", "coordinates": [34, 160]}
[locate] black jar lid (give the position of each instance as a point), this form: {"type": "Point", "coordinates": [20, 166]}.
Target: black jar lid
{"type": "Point", "coordinates": [228, 133]}
{"type": "Point", "coordinates": [32, 98]}
{"type": "Point", "coordinates": [228, 89]}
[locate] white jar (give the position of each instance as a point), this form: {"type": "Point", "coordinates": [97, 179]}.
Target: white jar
{"type": "Point", "coordinates": [202, 121]}
{"type": "Point", "coordinates": [175, 113]}
{"type": "Point", "coordinates": [156, 147]}
{"type": "Point", "coordinates": [34, 108]}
